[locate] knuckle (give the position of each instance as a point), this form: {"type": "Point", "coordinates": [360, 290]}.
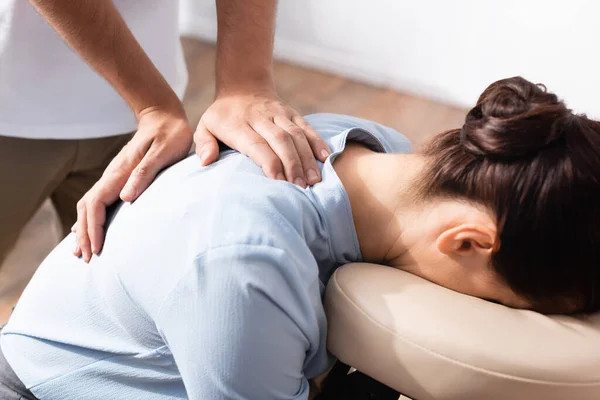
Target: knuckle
{"type": "Point", "coordinates": [202, 142]}
{"type": "Point", "coordinates": [280, 135]}
{"type": "Point", "coordinates": [81, 204]}
{"type": "Point", "coordinates": [134, 151]}
{"type": "Point", "coordinates": [253, 145]}
{"type": "Point", "coordinates": [161, 134]}
{"type": "Point", "coordinates": [281, 105]}
{"type": "Point", "coordinates": [95, 203]}
{"type": "Point", "coordinates": [308, 160]}
{"type": "Point", "coordinates": [309, 132]}
{"type": "Point", "coordinates": [296, 132]}
{"type": "Point", "coordinates": [142, 171]}
{"type": "Point", "coordinates": [120, 167]}
{"type": "Point", "coordinates": [200, 136]}
{"type": "Point", "coordinates": [294, 165]}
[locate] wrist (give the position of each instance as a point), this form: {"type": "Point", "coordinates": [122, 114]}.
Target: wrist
{"type": "Point", "coordinates": [261, 81]}
{"type": "Point", "coordinates": [172, 108]}
{"type": "Point", "coordinates": [159, 120]}
{"type": "Point", "coordinates": [165, 118]}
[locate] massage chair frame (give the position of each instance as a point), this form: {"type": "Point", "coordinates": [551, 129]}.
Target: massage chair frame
{"type": "Point", "coordinates": [344, 383]}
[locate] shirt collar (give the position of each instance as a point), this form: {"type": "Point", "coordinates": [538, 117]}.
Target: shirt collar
{"type": "Point", "coordinates": [334, 201]}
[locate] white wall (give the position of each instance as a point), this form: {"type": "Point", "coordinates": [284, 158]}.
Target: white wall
{"type": "Point", "coordinates": [442, 49]}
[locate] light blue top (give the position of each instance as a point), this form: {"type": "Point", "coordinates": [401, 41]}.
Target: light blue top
{"type": "Point", "coordinates": [209, 286]}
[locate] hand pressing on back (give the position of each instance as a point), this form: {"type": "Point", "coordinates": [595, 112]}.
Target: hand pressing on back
{"type": "Point", "coordinates": [163, 138]}
{"type": "Point", "coordinates": [259, 125]}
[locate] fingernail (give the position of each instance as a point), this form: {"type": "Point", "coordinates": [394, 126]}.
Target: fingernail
{"type": "Point", "coordinates": [280, 177]}
{"type": "Point", "coordinates": [324, 153]}
{"type": "Point", "coordinates": [76, 248]}
{"type": "Point", "coordinates": [312, 175]}
{"type": "Point", "coordinates": [300, 182]}
{"type": "Point", "coordinates": [94, 250]}
{"type": "Point", "coordinates": [128, 191]}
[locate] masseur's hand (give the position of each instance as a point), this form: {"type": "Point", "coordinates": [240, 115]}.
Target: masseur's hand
{"type": "Point", "coordinates": [257, 123]}
{"type": "Point", "coordinates": [163, 138]}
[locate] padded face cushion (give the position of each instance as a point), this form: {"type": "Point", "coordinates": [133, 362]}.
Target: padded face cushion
{"type": "Point", "coordinates": [429, 342]}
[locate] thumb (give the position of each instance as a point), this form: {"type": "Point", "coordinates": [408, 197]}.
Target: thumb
{"type": "Point", "coordinates": [207, 146]}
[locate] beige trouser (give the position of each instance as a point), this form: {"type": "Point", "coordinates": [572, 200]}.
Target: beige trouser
{"type": "Point", "coordinates": [32, 170]}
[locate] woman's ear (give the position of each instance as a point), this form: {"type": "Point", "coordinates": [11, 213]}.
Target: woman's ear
{"type": "Point", "coordinates": [466, 240]}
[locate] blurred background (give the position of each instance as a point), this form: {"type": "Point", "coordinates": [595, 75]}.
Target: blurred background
{"type": "Point", "coordinates": [414, 65]}
{"type": "Point", "coordinates": [444, 50]}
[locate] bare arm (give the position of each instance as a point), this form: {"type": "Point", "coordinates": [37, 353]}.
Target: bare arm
{"type": "Point", "coordinates": [98, 33]}
{"type": "Point", "coordinates": [245, 45]}
{"type": "Point", "coordinates": [247, 113]}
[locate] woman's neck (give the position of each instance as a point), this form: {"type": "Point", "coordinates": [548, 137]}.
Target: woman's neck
{"type": "Point", "coordinates": [378, 186]}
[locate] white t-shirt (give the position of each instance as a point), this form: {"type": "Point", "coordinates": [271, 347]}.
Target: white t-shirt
{"type": "Point", "coordinates": [48, 92]}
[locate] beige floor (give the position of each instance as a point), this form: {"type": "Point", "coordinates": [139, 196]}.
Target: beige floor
{"type": "Point", "coordinates": [307, 90]}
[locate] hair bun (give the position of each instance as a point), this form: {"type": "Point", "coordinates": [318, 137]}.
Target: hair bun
{"type": "Point", "coordinates": [514, 118]}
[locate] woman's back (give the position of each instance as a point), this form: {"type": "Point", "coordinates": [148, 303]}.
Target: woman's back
{"type": "Point", "coordinates": [127, 319]}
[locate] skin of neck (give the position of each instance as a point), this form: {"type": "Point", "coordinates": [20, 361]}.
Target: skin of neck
{"type": "Point", "coordinates": [394, 226]}
{"type": "Point", "coordinates": [446, 241]}
{"type": "Point", "coordinates": [383, 205]}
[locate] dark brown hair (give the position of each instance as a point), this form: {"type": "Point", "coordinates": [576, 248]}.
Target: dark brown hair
{"type": "Point", "coordinates": [524, 155]}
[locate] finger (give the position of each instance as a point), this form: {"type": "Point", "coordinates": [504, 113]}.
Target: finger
{"type": "Point", "coordinates": [142, 176]}
{"type": "Point", "coordinates": [283, 145]}
{"type": "Point", "coordinates": [254, 146]}
{"type": "Point", "coordinates": [309, 164]}
{"type": "Point", "coordinates": [76, 248]}
{"type": "Point", "coordinates": [83, 240]}
{"type": "Point", "coordinates": [133, 154]}
{"type": "Point", "coordinates": [109, 186]}
{"type": "Point", "coordinates": [207, 146]}
{"type": "Point", "coordinates": [319, 147]}
{"type": "Point", "coordinates": [94, 203]}
{"type": "Point", "coordinates": [96, 217]}
{"type": "Point", "coordinates": [120, 168]}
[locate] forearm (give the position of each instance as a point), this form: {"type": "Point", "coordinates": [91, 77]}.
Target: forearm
{"type": "Point", "coordinates": [245, 44]}
{"type": "Point", "coordinates": [98, 33]}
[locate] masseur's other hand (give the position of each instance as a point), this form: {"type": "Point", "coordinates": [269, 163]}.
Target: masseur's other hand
{"type": "Point", "coordinates": [259, 125]}
{"type": "Point", "coordinates": [163, 138]}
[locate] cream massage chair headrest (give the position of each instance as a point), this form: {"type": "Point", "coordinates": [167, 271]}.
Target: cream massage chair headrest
{"type": "Point", "coordinates": [429, 342]}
